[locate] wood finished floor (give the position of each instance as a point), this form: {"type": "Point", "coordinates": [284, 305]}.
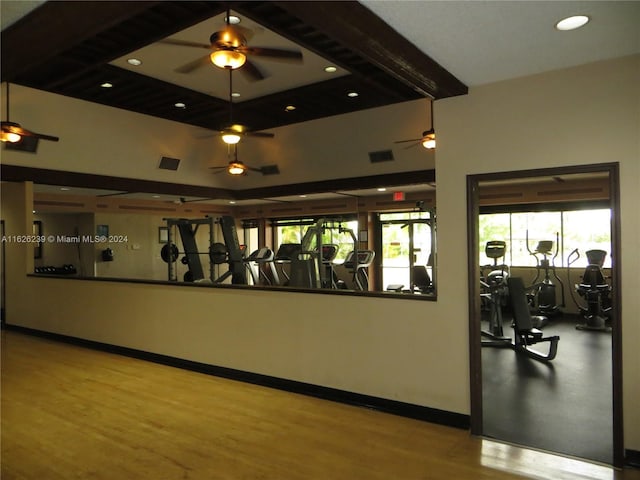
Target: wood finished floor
{"type": "Point", "coordinates": [74, 413]}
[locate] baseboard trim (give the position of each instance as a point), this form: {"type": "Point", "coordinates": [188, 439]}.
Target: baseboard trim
{"type": "Point", "coordinates": [418, 412]}
{"type": "Point", "coordinates": [632, 458]}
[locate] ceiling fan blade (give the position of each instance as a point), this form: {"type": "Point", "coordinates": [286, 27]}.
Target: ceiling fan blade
{"type": "Point", "coordinates": [185, 43]}
{"type": "Point", "coordinates": [414, 144]}
{"type": "Point", "coordinates": [248, 33]}
{"type": "Point", "coordinates": [217, 170]}
{"type": "Point", "coordinates": [412, 140]}
{"type": "Point", "coordinates": [270, 170]}
{"type": "Point", "coordinates": [260, 134]}
{"type": "Point", "coordinates": [251, 72]}
{"type": "Point", "coordinates": [42, 136]}
{"type": "Point", "coordinates": [23, 132]}
{"type": "Point", "coordinates": [273, 53]}
{"type": "Point", "coordinates": [195, 65]}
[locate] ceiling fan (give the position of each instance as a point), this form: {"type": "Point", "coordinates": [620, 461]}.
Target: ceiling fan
{"type": "Point", "coordinates": [233, 132]}
{"type": "Point", "coordinates": [236, 167]}
{"type": "Point", "coordinates": [428, 139]}
{"type": "Point", "coordinates": [13, 133]}
{"type": "Point", "coordinates": [230, 50]}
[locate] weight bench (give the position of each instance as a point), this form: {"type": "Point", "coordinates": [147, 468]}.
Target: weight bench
{"type": "Point", "coordinates": [524, 332]}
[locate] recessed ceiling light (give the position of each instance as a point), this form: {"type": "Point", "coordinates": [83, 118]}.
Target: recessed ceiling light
{"type": "Point", "coordinates": [107, 85]}
{"type": "Point", "coordinates": [330, 69]}
{"type": "Point", "coordinates": [352, 94]}
{"type": "Point", "coordinates": [573, 22]}
{"type": "Point", "coordinates": [155, 196]}
{"type": "Point", "coordinates": [382, 189]}
{"type": "Point", "coordinates": [65, 189]}
{"type": "Point", "coordinates": [303, 196]}
{"type": "Point", "coordinates": [233, 19]}
{"type": "Point", "coordinates": [290, 108]}
{"type": "Point", "coordinates": [134, 61]}
{"type": "Point", "coordinates": [180, 105]}
{"type": "Point", "coordinates": [235, 94]}
{"type": "Point", "coordinates": [232, 202]}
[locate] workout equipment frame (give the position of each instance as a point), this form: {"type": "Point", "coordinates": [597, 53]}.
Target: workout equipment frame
{"type": "Point", "coordinates": [525, 335]}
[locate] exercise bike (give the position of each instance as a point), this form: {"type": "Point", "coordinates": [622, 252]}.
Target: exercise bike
{"type": "Point", "coordinates": [543, 293]}
{"type": "Point", "coordinates": [494, 294]}
{"type": "Point", "coordinates": [594, 288]}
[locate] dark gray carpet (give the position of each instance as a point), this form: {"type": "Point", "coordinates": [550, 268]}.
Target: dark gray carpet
{"type": "Point", "coordinates": [564, 406]}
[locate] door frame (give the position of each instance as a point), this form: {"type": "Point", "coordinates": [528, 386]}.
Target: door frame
{"type": "Point", "coordinates": [473, 248]}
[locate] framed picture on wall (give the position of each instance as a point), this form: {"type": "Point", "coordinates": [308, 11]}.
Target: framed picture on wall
{"type": "Point", "coordinates": [163, 234]}
{"type": "Point", "coordinates": [102, 230]}
{"type": "Point", "coordinates": [37, 232]}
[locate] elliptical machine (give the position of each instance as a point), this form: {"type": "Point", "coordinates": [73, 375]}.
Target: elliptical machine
{"type": "Point", "coordinates": [594, 289]}
{"type": "Point", "coordinates": [494, 293]}
{"type": "Point", "coordinates": [543, 293]}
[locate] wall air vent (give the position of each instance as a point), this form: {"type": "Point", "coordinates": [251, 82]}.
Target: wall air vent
{"type": "Point", "coordinates": [270, 170]}
{"type": "Point", "coordinates": [381, 156]}
{"type": "Point", "coordinates": [167, 163]}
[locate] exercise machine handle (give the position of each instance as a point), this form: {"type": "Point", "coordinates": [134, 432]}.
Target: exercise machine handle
{"type": "Point", "coordinates": [575, 252]}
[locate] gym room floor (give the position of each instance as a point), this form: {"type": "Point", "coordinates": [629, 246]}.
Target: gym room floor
{"type": "Point", "coordinates": [563, 406]}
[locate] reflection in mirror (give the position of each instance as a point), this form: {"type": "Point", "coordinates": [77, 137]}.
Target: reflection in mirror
{"type": "Point", "coordinates": [333, 241]}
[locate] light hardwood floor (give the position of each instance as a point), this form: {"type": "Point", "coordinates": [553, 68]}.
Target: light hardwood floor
{"type": "Point", "coordinates": [74, 413]}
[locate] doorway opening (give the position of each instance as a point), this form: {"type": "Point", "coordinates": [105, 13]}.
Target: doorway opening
{"type": "Point", "coordinates": [564, 405]}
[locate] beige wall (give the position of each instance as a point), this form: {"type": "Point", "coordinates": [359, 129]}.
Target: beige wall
{"type": "Point", "coordinates": [108, 141]}
{"type": "Point", "coordinates": [583, 115]}
{"type": "Point", "coordinates": [58, 253]}
{"type": "Point", "coordinates": [405, 350]}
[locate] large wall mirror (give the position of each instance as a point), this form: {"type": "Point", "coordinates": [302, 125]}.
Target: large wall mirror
{"type": "Point", "coordinates": [545, 335]}
{"type": "Point", "coordinates": [378, 241]}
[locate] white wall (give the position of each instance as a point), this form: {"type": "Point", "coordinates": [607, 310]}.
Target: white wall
{"type": "Point", "coordinates": [412, 351]}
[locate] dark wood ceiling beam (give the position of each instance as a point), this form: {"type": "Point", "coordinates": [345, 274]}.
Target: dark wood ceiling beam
{"type": "Point", "coordinates": [16, 173]}
{"type": "Point", "coordinates": [340, 184]}
{"type": "Point", "coordinates": [355, 26]}
{"type": "Point", "coordinates": [55, 27]}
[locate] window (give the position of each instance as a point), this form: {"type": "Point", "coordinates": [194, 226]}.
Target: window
{"type": "Point", "coordinates": [341, 232]}
{"type": "Point", "coordinates": [567, 229]}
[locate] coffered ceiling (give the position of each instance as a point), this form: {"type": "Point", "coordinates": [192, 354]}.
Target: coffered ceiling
{"type": "Point", "coordinates": [88, 44]}
{"type": "Point", "coordinates": [386, 51]}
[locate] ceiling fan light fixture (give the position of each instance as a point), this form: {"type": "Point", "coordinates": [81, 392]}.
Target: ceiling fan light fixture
{"type": "Point", "coordinates": [8, 134]}
{"type": "Point", "coordinates": [429, 140]}
{"type": "Point", "coordinates": [236, 168]}
{"type": "Point", "coordinates": [230, 138]}
{"type": "Point", "coordinates": [228, 59]}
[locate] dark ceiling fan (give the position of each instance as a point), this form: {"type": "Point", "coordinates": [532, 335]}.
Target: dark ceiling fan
{"type": "Point", "coordinates": [229, 50]}
{"type": "Point", "coordinates": [13, 133]}
{"type": "Point", "coordinates": [428, 139]}
{"type": "Point", "coordinates": [231, 134]}
{"type": "Point", "coordinates": [236, 167]}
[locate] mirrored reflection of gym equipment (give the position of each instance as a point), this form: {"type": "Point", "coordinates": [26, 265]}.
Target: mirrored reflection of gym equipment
{"type": "Point", "coordinates": [257, 262]}
{"type": "Point", "coordinates": [543, 297]}
{"type": "Point", "coordinates": [306, 264]}
{"type": "Point", "coordinates": [420, 281]}
{"type": "Point", "coordinates": [494, 294]}
{"type": "Point", "coordinates": [311, 263]}
{"type": "Point", "coordinates": [594, 289]}
{"type": "Point", "coordinates": [353, 272]}
{"type": "Point", "coordinates": [219, 253]}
